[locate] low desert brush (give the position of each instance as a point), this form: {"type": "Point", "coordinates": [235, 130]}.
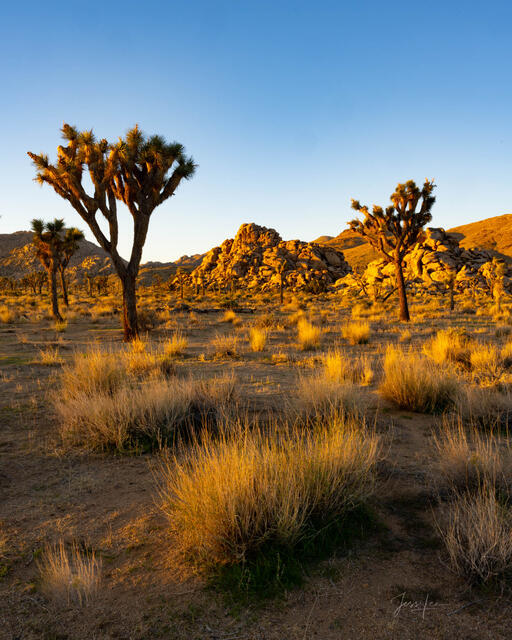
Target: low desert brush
{"type": "Point", "coordinates": [448, 346]}
{"type": "Point", "coordinates": [485, 407]}
{"type": "Point", "coordinates": [230, 497]}
{"type": "Point", "coordinates": [356, 332]}
{"type": "Point", "coordinates": [231, 317]}
{"type": "Point", "coordinates": [466, 458]}
{"type": "Point", "coordinates": [258, 338]}
{"type": "Point", "coordinates": [416, 383]}
{"type": "Point", "coordinates": [69, 576]}
{"type": "Point", "coordinates": [320, 397]}
{"type": "Point", "coordinates": [176, 345]}
{"type": "Point", "coordinates": [7, 316]}
{"type": "Point", "coordinates": [340, 366]}
{"type": "Point", "coordinates": [308, 336]}
{"type": "Point", "coordinates": [487, 364]}
{"type": "Point", "coordinates": [49, 356]}
{"type": "Point", "coordinates": [225, 346]}
{"type": "Point", "coordinates": [478, 536]}
{"type": "Point", "coordinates": [142, 415]}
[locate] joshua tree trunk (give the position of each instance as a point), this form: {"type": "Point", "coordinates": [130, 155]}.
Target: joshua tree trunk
{"type": "Point", "coordinates": [452, 296]}
{"type": "Point", "coordinates": [130, 324]}
{"type": "Point", "coordinates": [281, 297]}
{"type": "Point", "coordinates": [64, 288]}
{"type": "Point", "coordinates": [52, 277]}
{"type": "Point", "coordinates": [402, 296]}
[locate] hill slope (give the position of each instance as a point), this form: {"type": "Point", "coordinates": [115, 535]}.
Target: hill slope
{"type": "Point", "coordinates": [492, 234]}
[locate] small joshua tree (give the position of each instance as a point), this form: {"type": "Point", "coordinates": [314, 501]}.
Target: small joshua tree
{"type": "Point", "coordinates": [395, 230]}
{"type": "Point", "coordinates": [47, 241]}
{"type": "Point", "coordinates": [138, 171]}
{"type": "Point", "coordinates": [69, 246]}
{"type": "Point", "coordinates": [493, 273]}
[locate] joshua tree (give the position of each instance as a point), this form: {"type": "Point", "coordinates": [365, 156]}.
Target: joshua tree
{"type": "Point", "coordinates": [493, 273]}
{"type": "Point", "coordinates": [69, 246]}
{"type": "Point", "coordinates": [47, 241]}
{"type": "Point", "coordinates": [394, 231]}
{"type": "Point", "coordinates": [281, 270]}
{"type": "Point", "coordinates": [138, 171]}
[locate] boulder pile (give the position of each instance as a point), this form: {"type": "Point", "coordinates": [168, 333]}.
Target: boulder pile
{"type": "Point", "coordinates": [257, 257]}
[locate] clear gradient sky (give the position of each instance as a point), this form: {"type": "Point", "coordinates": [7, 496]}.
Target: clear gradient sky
{"type": "Point", "coordinates": [290, 108]}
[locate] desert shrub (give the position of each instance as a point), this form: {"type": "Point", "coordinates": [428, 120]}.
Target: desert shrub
{"type": "Point", "coordinates": [405, 336]}
{"type": "Point", "coordinates": [258, 338]}
{"type": "Point", "coordinates": [466, 458]}
{"type": "Point", "coordinates": [415, 383]}
{"type": "Point", "coordinates": [225, 346]}
{"type": "Point", "coordinates": [176, 345]}
{"type": "Point", "coordinates": [340, 367]}
{"type": "Point", "coordinates": [308, 336]}
{"type": "Point", "coordinates": [320, 397]}
{"type": "Point", "coordinates": [448, 346]}
{"type": "Point", "coordinates": [143, 415]}
{"type": "Point", "coordinates": [487, 365]}
{"type": "Point", "coordinates": [478, 536]}
{"type": "Point", "coordinates": [49, 356]}
{"type": "Point", "coordinates": [487, 407]}
{"type": "Point", "coordinates": [356, 332]}
{"type": "Point", "coordinates": [230, 498]}
{"type": "Point", "coordinates": [7, 316]}
{"type": "Point", "coordinates": [91, 373]}
{"type": "Point", "coordinates": [231, 317]}
{"type": "Point", "coordinates": [69, 576]}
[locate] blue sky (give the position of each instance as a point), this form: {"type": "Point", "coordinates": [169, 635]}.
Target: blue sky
{"type": "Point", "coordinates": [289, 108]}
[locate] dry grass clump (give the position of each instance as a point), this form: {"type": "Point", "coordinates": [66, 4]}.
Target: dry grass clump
{"type": "Point", "coordinates": [92, 372]}
{"type": "Point", "coordinates": [7, 316]}
{"type": "Point", "coordinates": [340, 367]}
{"type": "Point", "coordinates": [486, 407]}
{"type": "Point", "coordinates": [487, 364]}
{"type": "Point", "coordinates": [153, 412]}
{"type": "Point", "coordinates": [448, 346]}
{"type": "Point", "coordinates": [415, 383]}
{"type": "Point", "coordinates": [478, 536]}
{"type": "Point", "coordinates": [176, 345]}
{"type": "Point", "coordinates": [225, 346]}
{"type": "Point", "coordinates": [69, 576]}
{"type": "Point", "coordinates": [258, 339]}
{"type": "Point", "coordinates": [60, 326]}
{"type": "Point", "coordinates": [231, 317]}
{"type": "Point", "coordinates": [228, 498]}
{"type": "Point", "coordinates": [308, 336]}
{"type": "Point", "coordinates": [320, 397]}
{"type": "Point", "coordinates": [49, 356]}
{"type": "Point", "coordinates": [356, 332]}
{"type": "Point", "coordinates": [466, 458]}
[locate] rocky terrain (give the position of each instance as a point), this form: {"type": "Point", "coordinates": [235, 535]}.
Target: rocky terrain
{"type": "Point", "coordinates": [437, 259]}
{"type": "Point", "coordinates": [257, 257]}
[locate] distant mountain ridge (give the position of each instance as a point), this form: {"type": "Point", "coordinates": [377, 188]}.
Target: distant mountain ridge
{"type": "Point", "coordinates": [492, 234]}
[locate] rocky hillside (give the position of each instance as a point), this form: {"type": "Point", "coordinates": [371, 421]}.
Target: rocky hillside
{"type": "Point", "coordinates": [492, 234]}
{"type": "Point", "coordinates": [255, 257]}
{"type": "Point", "coordinates": [17, 259]}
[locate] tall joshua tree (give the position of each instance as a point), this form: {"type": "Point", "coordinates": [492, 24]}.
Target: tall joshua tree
{"type": "Point", "coordinates": [142, 172]}
{"type": "Point", "coordinates": [395, 230]}
{"type": "Point", "coordinates": [47, 241]}
{"type": "Point", "coordinates": [69, 246]}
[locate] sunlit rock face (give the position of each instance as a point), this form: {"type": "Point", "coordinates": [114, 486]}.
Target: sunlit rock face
{"type": "Point", "coordinates": [257, 257]}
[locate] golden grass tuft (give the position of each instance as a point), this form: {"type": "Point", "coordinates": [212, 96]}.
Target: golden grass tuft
{"type": "Point", "coordinates": [341, 367]}
{"type": "Point", "coordinates": [228, 497]}
{"type": "Point", "coordinates": [415, 383]}
{"type": "Point", "coordinates": [478, 536]}
{"type": "Point", "coordinates": [258, 338]}
{"type": "Point", "coordinates": [448, 346]}
{"type": "Point", "coordinates": [308, 336]}
{"type": "Point", "coordinates": [176, 345]}
{"type": "Point", "coordinates": [7, 316]}
{"type": "Point", "coordinates": [225, 346]}
{"type": "Point", "coordinates": [356, 332]}
{"type": "Point", "coordinates": [69, 576]}
{"type": "Point", "coordinates": [49, 356]}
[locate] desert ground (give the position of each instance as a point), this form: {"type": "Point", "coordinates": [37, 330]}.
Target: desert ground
{"type": "Point", "coordinates": [98, 496]}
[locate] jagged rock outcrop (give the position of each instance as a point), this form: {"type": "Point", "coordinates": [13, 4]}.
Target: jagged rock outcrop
{"type": "Point", "coordinates": [434, 260]}
{"type": "Point", "coordinates": [256, 257]}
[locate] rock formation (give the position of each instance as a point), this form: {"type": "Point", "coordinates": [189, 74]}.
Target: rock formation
{"type": "Point", "coordinates": [257, 256]}
{"type": "Point", "coordinates": [434, 260]}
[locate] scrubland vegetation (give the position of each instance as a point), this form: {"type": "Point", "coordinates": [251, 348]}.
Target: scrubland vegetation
{"type": "Point", "coordinates": [265, 451]}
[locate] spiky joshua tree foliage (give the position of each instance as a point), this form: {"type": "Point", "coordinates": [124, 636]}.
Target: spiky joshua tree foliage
{"type": "Point", "coordinates": [395, 230]}
{"type": "Point", "coordinates": [142, 172]}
